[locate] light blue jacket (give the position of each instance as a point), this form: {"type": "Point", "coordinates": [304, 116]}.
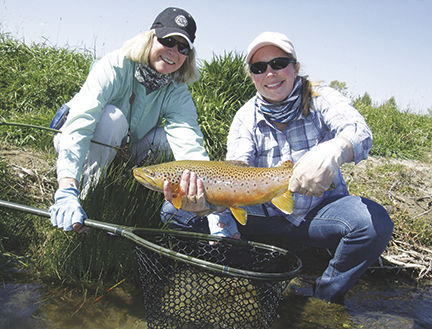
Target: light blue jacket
{"type": "Point", "coordinates": [111, 81]}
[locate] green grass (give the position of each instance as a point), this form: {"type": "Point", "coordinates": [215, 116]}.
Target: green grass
{"type": "Point", "coordinates": [397, 134]}
{"type": "Point", "coordinates": [221, 91]}
{"type": "Point", "coordinates": [36, 79]}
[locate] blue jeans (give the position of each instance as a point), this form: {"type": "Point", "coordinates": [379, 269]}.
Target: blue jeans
{"type": "Point", "coordinates": [358, 229]}
{"type": "Point", "coordinates": [178, 219]}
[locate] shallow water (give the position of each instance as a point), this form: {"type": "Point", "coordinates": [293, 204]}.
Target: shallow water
{"type": "Point", "coordinates": [372, 303]}
{"type": "Point", "coordinates": [395, 305]}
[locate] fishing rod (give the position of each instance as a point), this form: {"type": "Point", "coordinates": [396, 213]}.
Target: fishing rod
{"type": "Point", "coordinates": [25, 125]}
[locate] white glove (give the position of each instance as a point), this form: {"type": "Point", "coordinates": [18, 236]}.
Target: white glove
{"type": "Point", "coordinates": [223, 224]}
{"type": "Point", "coordinates": [67, 209]}
{"type": "Point", "coordinates": [315, 171]}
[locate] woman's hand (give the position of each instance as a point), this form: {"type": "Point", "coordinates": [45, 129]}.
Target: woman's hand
{"type": "Point", "coordinates": [315, 171]}
{"type": "Point", "coordinates": [193, 195]}
{"type": "Point", "coordinates": [67, 212]}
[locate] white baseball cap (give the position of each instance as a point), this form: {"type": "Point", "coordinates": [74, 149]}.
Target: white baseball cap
{"type": "Point", "coordinates": [277, 39]}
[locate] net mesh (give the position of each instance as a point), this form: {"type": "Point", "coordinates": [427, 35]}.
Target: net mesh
{"type": "Point", "coordinates": [178, 294]}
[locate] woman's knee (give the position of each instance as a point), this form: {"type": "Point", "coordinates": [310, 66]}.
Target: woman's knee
{"type": "Point", "coordinates": [373, 226]}
{"type": "Point", "coordinates": [154, 145]}
{"type": "Point", "coordinates": [112, 127]}
{"type": "Point", "coordinates": [359, 217]}
{"type": "Point", "coordinates": [381, 221]}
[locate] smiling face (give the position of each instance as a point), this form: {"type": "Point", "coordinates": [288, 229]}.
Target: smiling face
{"type": "Point", "coordinates": [166, 60]}
{"type": "Point", "coordinates": [273, 85]}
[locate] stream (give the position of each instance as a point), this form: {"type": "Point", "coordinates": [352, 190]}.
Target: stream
{"type": "Point", "coordinates": [383, 302]}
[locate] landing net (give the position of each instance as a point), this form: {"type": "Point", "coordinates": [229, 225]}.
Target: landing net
{"type": "Point", "coordinates": [227, 284]}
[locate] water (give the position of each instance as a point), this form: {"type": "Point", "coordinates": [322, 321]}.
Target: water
{"type": "Point", "coordinates": [384, 303]}
{"type": "Point", "coordinates": [373, 303]}
{"type": "Point", "coordinates": [397, 304]}
{"type": "Point", "coordinates": [31, 305]}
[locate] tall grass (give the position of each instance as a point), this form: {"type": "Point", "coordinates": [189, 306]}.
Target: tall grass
{"type": "Point", "coordinates": [35, 80]}
{"type": "Point", "coordinates": [397, 134]}
{"type": "Point", "coordinates": [119, 199]}
{"type": "Point", "coordinates": [221, 91]}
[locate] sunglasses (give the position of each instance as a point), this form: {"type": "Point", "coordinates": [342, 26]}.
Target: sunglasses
{"type": "Point", "coordinates": [170, 42]}
{"type": "Point", "coordinates": [276, 64]}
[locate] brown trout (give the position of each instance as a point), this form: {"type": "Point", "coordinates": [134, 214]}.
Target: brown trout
{"type": "Point", "coordinates": [227, 183]}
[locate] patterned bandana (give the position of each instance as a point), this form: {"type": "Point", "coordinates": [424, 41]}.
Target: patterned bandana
{"type": "Point", "coordinates": [283, 111]}
{"type": "Point", "coordinates": [151, 79]}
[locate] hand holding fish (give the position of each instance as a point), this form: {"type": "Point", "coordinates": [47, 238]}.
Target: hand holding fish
{"type": "Point", "coordinates": [193, 195]}
{"type": "Point", "coordinates": [314, 173]}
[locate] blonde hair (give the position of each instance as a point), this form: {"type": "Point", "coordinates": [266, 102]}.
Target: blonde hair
{"type": "Point", "coordinates": [308, 93]}
{"type": "Point", "coordinates": [138, 50]}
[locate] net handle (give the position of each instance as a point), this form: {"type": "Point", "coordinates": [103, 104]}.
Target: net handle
{"type": "Point", "coordinates": [128, 232]}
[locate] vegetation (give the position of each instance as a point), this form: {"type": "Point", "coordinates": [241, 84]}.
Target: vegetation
{"type": "Point", "coordinates": [217, 102]}
{"type": "Point", "coordinates": [35, 80]}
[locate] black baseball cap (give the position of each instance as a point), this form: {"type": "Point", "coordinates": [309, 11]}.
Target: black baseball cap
{"type": "Point", "coordinates": [175, 21]}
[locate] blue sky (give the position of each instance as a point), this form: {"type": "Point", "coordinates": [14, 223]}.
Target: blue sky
{"type": "Point", "coordinates": [383, 47]}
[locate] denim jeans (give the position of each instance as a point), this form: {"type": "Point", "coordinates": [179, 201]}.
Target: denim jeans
{"type": "Point", "coordinates": [358, 229]}
{"type": "Point", "coordinates": [178, 219]}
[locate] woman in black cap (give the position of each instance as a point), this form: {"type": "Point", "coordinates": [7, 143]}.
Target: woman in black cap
{"type": "Point", "coordinates": [127, 96]}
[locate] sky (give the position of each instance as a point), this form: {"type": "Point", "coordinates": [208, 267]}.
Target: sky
{"type": "Point", "coordinates": [382, 47]}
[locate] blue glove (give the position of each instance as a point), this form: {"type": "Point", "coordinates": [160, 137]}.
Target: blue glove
{"type": "Point", "coordinates": [67, 209]}
{"type": "Point", "coordinates": [223, 224]}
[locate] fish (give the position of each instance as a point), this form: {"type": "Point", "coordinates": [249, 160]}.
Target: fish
{"type": "Point", "coordinates": [231, 184]}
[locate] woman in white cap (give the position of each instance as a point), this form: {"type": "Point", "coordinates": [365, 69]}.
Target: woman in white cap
{"type": "Point", "coordinates": [127, 96]}
{"type": "Point", "coordinates": [318, 129]}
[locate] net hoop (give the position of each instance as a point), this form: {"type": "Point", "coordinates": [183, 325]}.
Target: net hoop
{"type": "Point", "coordinates": [214, 267]}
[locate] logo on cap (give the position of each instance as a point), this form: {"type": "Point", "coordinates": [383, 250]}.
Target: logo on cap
{"type": "Point", "coordinates": [181, 21]}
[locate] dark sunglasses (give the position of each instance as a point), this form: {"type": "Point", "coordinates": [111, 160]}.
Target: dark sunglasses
{"type": "Point", "coordinates": [276, 64]}
{"type": "Point", "coordinates": [170, 42]}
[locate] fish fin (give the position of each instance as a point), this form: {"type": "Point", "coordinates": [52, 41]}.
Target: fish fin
{"type": "Point", "coordinates": [177, 201]}
{"type": "Point", "coordinates": [284, 202]}
{"type": "Point", "coordinates": [177, 196]}
{"type": "Point", "coordinates": [288, 164]}
{"type": "Point", "coordinates": [239, 214]}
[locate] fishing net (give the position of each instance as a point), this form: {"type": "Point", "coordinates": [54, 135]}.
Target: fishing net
{"type": "Point", "coordinates": [192, 280]}
{"type": "Point", "coordinates": [227, 284]}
